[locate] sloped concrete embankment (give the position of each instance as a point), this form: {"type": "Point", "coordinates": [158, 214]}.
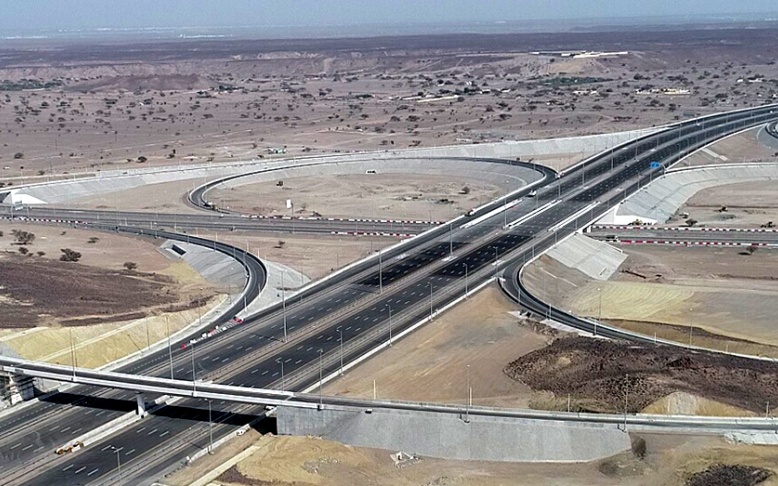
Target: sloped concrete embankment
{"type": "Point", "coordinates": [594, 258]}
{"type": "Point", "coordinates": [661, 199]}
{"type": "Point", "coordinates": [448, 436]}
{"type": "Point", "coordinates": [107, 182]}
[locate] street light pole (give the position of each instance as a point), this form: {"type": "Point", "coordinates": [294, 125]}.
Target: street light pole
{"type": "Point", "coordinates": [210, 428]}
{"type": "Point", "coordinates": [450, 240]}
{"type": "Point", "coordinates": [599, 312]}
{"type": "Point", "coordinates": [469, 397]}
{"type": "Point", "coordinates": [73, 354]}
{"type": "Point", "coordinates": [116, 451]}
{"type": "Point", "coordinates": [169, 348]}
{"type": "Point", "coordinates": [341, 350]}
{"type": "Point", "coordinates": [321, 380]}
{"type": "Point", "coordinates": [390, 325]}
{"type": "Point", "coordinates": [283, 302]}
{"type": "Point", "coordinates": [380, 274]}
{"type": "Point", "coordinates": [283, 381]}
{"type": "Point", "coordinates": [691, 327]}
{"type": "Point", "coordinates": [430, 300]}
{"type": "Point", "coordinates": [466, 292]}
{"type": "Point", "coordinates": [194, 376]}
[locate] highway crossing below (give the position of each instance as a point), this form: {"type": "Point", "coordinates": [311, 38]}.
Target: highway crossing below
{"type": "Point", "coordinates": [414, 283]}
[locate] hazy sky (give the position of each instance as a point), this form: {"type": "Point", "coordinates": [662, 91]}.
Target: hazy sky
{"type": "Point", "coordinates": [77, 14]}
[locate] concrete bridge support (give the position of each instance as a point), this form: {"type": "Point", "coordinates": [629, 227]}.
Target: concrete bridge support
{"type": "Point", "coordinates": [141, 404]}
{"type": "Point", "coordinates": [16, 388]}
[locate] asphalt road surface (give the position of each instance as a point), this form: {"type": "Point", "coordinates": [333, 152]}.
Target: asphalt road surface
{"type": "Point", "coordinates": [357, 306]}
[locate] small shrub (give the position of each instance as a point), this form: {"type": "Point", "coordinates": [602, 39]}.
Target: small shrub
{"type": "Point", "coordinates": [69, 255]}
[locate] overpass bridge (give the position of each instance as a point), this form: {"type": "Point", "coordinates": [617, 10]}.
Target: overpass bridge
{"type": "Point", "coordinates": [433, 269]}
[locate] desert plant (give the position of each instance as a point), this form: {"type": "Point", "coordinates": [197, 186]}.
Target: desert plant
{"type": "Point", "coordinates": [23, 237]}
{"type": "Point", "coordinates": [130, 266]}
{"type": "Point", "coordinates": [69, 255]}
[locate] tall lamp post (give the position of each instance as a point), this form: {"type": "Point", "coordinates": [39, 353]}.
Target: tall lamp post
{"type": "Point", "coordinates": [117, 450]}
{"type": "Point", "coordinates": [321, 380]}
{"type": "Point", "coordinates": [340, 331]}
{"type": "Point", "coordinates": [283, 302]}
{"type": "Point", "coordinates": [390, 324]}
{"type": "Point", "coordinates": [210, 428]}
{"type": "Point", "coordinates": [466, 268]}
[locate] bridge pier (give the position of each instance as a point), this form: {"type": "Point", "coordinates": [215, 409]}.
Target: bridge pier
{"type": "Point", "coordinates": [16, 388]}
{"type": "Point", "coordinates": [141, 404]}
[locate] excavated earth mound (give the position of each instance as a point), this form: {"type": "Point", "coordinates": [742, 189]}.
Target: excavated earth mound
{"type": "Point", "coordinates": [606, 376]}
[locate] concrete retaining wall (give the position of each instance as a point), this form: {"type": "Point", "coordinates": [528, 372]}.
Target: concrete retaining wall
{"type": "Point", "coordinates": [596, 259]}
{"type": "Point", "coordinates": [119, 180]}
{"type": "Point", "coordinates": [447, 436]}
{"type": "Point", "coordinates": [661, 199]}
{"type": "Point", "coordinates": [214, 266]}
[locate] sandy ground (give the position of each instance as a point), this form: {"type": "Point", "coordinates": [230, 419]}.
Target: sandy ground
{"type": "Point", "coordinates": [749, 205]}
{"type": "Point", "coordinates": [111, 251]}
{"type": "Point", "coordinates": [378, 196]}
{"type": "Point", "coordinates": [125, 106]}
{"type": "Point", "coordinates": [729, 299]}
{"type": "Point", "coordinates": [169, 197]}
{"type": "Point", "coordinates": [668, 461]}
{"type": "Point", "coordinates": [431, 364]}
{"type": "Point", "coordinates": [314, 256]}
{"type": "Point", "coordinates": [102, 343]}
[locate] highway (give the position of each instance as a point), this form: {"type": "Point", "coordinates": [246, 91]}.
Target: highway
{"type": "Point", "coordinates": [221, 222]}
{"type": "Point", "coordinates": [358, 304]}
{"type": "Point", "coordinates": [683, 235]}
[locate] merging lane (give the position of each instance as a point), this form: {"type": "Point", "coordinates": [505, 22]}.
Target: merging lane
{"type": "Point", "coordinates": [412, 281]}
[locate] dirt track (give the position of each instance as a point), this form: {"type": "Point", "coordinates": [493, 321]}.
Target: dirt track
{"type": "Point", "coordinates": [604, 375]}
